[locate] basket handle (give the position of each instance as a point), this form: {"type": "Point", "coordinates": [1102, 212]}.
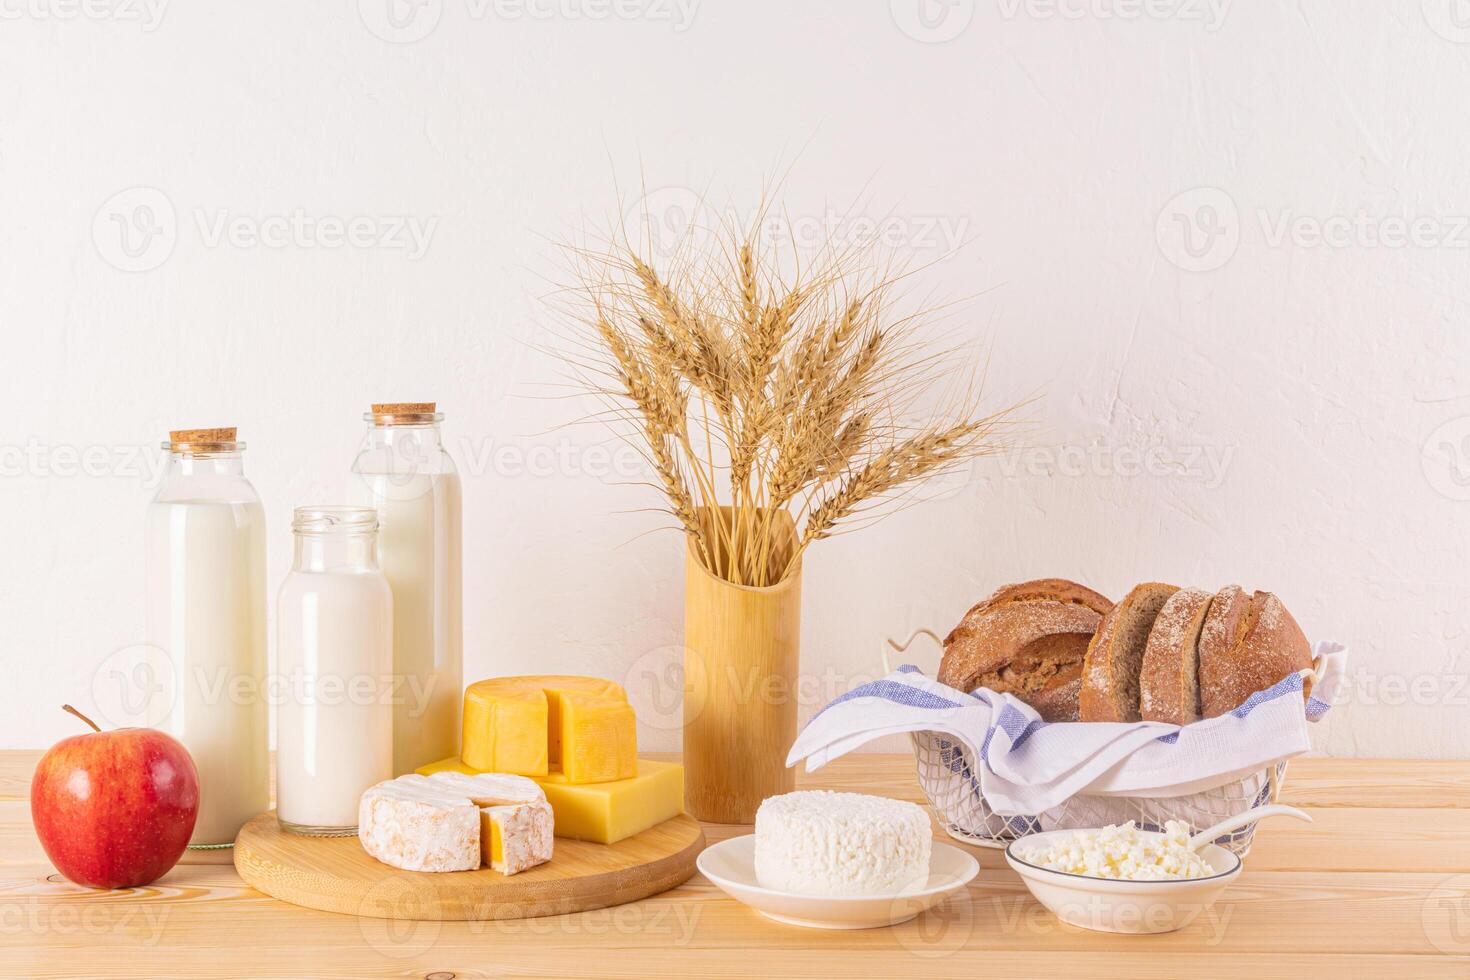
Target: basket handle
{"type": "Point", "coordinates": [904, 646]}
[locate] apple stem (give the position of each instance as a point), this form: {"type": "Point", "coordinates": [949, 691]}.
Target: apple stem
{"type": "Point", "coordinates": [68, 708]}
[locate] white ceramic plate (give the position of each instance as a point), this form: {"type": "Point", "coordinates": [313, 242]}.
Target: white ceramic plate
{"type": "Point", "coordinates": [731, 866]}
{"type": "Point", "coordinates": [1132, 907]}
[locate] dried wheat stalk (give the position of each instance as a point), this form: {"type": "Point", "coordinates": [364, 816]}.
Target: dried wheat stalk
{"type": "Point", "coordinates": [756, 396]}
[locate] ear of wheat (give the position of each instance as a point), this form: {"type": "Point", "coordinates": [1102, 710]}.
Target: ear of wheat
{"type": "Point", "coordinates": [754, 394]}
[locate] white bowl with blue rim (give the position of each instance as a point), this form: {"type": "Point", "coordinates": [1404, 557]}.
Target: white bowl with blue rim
{"type": "Point", "coordinates": [1135, 907]}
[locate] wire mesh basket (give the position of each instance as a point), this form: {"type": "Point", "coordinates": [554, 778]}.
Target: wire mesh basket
{"type": "Point", "coordinates": [946, 773]}
{"type": "Point", "coordinates": [947, 776]}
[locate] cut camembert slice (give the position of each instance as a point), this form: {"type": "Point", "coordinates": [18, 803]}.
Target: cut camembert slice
{"type": "Point", "coordinates": [453, 821]}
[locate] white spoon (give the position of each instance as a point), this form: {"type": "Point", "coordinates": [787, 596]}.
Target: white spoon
{"type": "Point", "coordinates": [1241, 819]}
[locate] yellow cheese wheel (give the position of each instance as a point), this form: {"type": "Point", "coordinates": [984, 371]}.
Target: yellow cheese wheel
{"type": "Point", "coordinates": [604, 813]}
{"type": "Point", "coordinates": [582, 726]}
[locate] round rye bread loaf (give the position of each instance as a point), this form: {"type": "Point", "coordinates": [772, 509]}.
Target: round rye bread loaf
{"type": "Point", "coordinates": [1027, 640]}
{"type": "Point", "coordinates": [1247, 644]}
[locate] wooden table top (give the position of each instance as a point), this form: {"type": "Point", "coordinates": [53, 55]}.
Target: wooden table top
{"type": "Point", "coordinates": [1378, 886]}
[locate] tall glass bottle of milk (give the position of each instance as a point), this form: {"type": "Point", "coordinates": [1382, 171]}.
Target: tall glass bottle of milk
{"type": "Point", "coordinates": [205, 572]}
{"type": "Point", "coordinates": [334, 652]}
{"type": "Point", "coordinates": [404, 473]}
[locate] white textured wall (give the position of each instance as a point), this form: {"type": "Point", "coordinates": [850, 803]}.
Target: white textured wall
{"type": "Point", "coordinates": [1283, 400]}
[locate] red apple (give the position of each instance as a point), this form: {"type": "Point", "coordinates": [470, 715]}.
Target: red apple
{"type": "Point", "coordinates": [115, 809]}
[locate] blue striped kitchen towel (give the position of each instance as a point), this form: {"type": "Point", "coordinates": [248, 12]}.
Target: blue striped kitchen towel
{"type": "Point", "coordinates": [1030, 766]}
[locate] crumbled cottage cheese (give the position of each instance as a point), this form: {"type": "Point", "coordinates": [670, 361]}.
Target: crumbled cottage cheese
{"type": "Point", "coordinates": [1122, 851]}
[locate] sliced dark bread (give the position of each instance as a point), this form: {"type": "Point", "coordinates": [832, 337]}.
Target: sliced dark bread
{"type": "Point", "coordinates": [1168, 682]}
{"type": "Point", "coordinates": [1115, 655]}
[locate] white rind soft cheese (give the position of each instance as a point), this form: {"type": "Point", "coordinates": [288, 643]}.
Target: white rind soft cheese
{"type": "Point", "coordinates": [825, 843]}
{"type": "Point", "coordinates": [443, 822]}
{"type": "Point", "coordinates": [1121, 852]}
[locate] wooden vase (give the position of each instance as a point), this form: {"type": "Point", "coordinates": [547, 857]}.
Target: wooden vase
{"type": "Point", "coordinates": [741, 656]}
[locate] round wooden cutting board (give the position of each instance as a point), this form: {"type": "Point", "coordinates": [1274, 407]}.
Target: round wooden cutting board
{"type": "Point", "coordinates": [335, 874]}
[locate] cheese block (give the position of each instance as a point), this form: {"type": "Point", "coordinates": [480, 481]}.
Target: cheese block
{"type": "Point", "coordinates": [582, 726]}
{"type": "Point", "coordinates": [504, 728]}
{"type": "Point", "coordinates": [452, 821]}
{"type": "Point", "coordinates": [604, 813]}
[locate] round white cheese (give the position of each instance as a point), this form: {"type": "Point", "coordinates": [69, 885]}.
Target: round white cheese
{"type": "Point", "coordinates": [450, 821]}
{"type": "Point", "coordinates": [825, 843]}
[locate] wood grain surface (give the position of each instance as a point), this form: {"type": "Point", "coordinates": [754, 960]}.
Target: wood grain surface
{"type": "Point", "coordinates": [334, 874]}
{"type": "Point", "coordinates": [1378, 887]}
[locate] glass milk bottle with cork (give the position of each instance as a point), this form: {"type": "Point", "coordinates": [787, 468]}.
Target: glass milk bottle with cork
{"type": "Point", "coordinates": [404, 473]}
{"type": "Point", "coordinates": [334, 651]}
{"type": "Point", "coordinates": [205, 582]}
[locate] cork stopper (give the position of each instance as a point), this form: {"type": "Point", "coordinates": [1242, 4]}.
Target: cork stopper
{"type": "Point", "coordinates": [404, 408]}
{"type": "Point", "coordinates": [216, 440]}
{"type": "Point", "coordinates": [202, 435]}
{"type": "Point", "coordinates": [404, 413]}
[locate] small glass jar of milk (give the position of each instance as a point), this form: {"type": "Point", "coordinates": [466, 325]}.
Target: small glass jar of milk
{"type": "Point", "coordinates": [204, 567]}
{"type": "Point", "coordinates": [404, 473]}
{"type": "Point", "coordinates": [334, 653]}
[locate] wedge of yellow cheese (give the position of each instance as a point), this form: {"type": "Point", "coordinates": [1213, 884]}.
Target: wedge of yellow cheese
{"type": "Point", "coordinates": [604, 813]}
{"type": "Point", "coordinates": [530, 726]}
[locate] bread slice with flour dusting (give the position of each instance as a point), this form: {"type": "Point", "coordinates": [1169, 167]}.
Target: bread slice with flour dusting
{"type": "Point", "coordinates": [1114, 658]}
{"type": "Point", "coordinates": [1168, 682]}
